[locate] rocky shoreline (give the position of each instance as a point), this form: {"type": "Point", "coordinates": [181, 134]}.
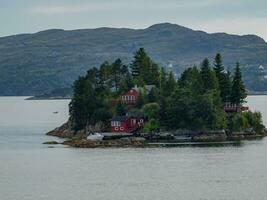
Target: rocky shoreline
{"type": "Point", "coordinates": [78, 139]}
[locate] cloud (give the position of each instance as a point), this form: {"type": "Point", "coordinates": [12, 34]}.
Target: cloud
{"type": "Point", "coordinates": [235, 26]}
{"type": "Point", "coordinates": [63, 9]}
{"type": "Point", "coordinates": [100, 6]}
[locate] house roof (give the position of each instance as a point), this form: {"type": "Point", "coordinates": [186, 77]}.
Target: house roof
{"type": "Point", "coordinates": [131, 91]}
{"type": "Point", "coordinates": [120, 118]}
{"type": "Point", "coordinates": [149, 87]}
{"type": "Point", "coordinates": [135, 113]}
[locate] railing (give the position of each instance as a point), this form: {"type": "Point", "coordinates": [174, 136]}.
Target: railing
{"type": "Point", "coordinates": [230, 107]}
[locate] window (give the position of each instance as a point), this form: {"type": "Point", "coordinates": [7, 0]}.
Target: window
{"type": "Point", "coordinates": [115, 123]}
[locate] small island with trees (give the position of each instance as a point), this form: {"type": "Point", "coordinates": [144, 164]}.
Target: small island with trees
{"type": "Point", "coordinates": [141, 103]}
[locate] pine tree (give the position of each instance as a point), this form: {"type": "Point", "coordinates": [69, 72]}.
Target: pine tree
{"type": "Point", "coordinates": [83, 103]}
{"type": "Point", "coordinates": [191, 79]}
{"type": "Point", "coordinates": [141, 100]}
{"type": "Point", "coordinates": [162, 81]}
{"type": "Point", "coordinates": [153, 95]}
{"type": "Point", "coordinates": [120, 108]}
{"type": "Point", "coordinates": [218, 65]}
{"type": "Point", "coordinates": [143, 69]}
{"type": "Point", "coordinates": [225, 87]}
{"type": "Point", "coordinates": [116, 71]}
{"type": "Point", "coordinates": [136, 64]}
{"type": "Point", "coordinates": [209, 79]}
{"type": "Point", "coordinates": [223, 78]}
{"type": "Point", "coordinates": [154, 77]}
{"type": "Point", "coordinates": [238, 92]}
{"type": "Point", "coordinates": [170, 85]}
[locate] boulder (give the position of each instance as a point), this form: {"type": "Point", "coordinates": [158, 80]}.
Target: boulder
{"type": "Point", "coordinates": [51, 142]}
{"type": "Point", "coordinates": [65, 131]}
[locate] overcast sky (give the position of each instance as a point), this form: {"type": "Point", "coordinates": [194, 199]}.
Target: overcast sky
{"type": "Point", "coordinates": [231, 16]}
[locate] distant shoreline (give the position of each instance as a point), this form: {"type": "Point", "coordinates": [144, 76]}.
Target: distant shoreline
{"type": "Point", "coordinates": [64, 98]}
{"type": "Point", "coordinates": [263, 94]}
{"type": "Point", "coordinates": [47, 98]}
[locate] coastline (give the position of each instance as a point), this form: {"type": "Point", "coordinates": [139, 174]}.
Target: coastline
{"type": "Point", "coordinates": [69, 97]}
{"type": "Point", "coordinates": [78, 139]}
{"type": "Point", "coordinates": [48, 98]}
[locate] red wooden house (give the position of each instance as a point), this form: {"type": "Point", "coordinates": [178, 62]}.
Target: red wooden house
{"type": "Point", "coordinates": [125, 123]}
{"type": "Point", "coordinates": [130, 97]}
{"type": "Point", "coordinates": [230, 107]}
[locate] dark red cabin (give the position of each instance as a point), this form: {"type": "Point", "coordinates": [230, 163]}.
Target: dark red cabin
{"type": "Point", "coordinates": [125, 123]}
{"type": "Point", "coordinates": [130, 97]}
{"type": "Point", "coordinates": [230, 107]}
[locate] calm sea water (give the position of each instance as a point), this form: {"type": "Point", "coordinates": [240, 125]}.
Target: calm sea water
{"type": "Point", "coordinates": [32, 171]}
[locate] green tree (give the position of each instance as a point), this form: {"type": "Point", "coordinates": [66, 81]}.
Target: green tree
{"type": "Point", "coordinates": [239, 122]}
{"type": "Point", "coordinates": [163, 81]}
{"type": "Point", "coordinates": [192, 80]}
{"type": "Point", "coordinates": [102, 114]}
{"type": "Point", "coordinates": [136, 64]}
{"type": "Point", "coordinates": [225, 87]}
{"type": "Point", "coordinates": [153, 95]}
{"type": "Point", "coordinates": [223, 78]}
{"type": "Point", "coordinates": [151, 110]}
{"type": "Point", "coordinates": [117, 71]}
{"type": "Point", "coordinates": [141, 100]}
{"type": "Point", "coordinates": [218, 65]}
{"type": "Point", "coordinates": [154, 74]}
{"type": "Point", "coordinates": [82, 104]}
{"type": "Point", "coordinates": [238, 91]}
{"type": "Point", "coordinates": [209, 78]}
{"type": "Point", "coordinates": [144, 69]}
{"type": "Point", "coordinates": [210, 112]}
{"type": "Point", "coordinates": [151, 125]}
{"type": "Point", "coordinates": [120, 108]}
{"type": "Point", "coordinates": [169, 85]}
{"type": "Point", "coordinates": [254, 120]}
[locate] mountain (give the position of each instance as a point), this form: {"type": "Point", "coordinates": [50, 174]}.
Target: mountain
{"type": "Point", "coordinates": [33, 64]}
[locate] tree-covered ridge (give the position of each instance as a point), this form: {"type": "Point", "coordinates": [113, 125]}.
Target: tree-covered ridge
{"type": "Point", "coordinates": [195, 101]}
{"type": "Point", "coordinates": [34, 64]}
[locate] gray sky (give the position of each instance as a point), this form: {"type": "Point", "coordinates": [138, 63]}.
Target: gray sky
{"type": "Point", "coordinates": [231, 16]}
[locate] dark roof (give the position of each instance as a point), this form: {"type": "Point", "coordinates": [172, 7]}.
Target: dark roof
{"type": "Point", "coordinates": [120, 118]}
{"type": "Point", "coordinates": [131, 91]}
{"type": "Point", "coordinates": [135, 113]}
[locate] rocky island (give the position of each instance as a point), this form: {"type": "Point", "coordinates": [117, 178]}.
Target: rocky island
{"type": "Point", "coordinates": [143, 103]}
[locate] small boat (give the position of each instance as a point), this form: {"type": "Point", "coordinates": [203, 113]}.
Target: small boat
{"type": "Point", "coordinates": [56, 112]}
{"type": "Point", "coordinates": [95, 136]}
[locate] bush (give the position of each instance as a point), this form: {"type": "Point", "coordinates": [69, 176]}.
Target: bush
{"type": "Point", "coordinates": [254, 120]}
{"type": "Point", "coordinates": [151, 110]}
{"type": "Point", "coordinates": [151, 125]}
{"type": "Point", "coordinates": [239, 122]}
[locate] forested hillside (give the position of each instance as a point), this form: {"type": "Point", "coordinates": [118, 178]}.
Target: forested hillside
{"type": "Point", "coordinates": [32, 64]}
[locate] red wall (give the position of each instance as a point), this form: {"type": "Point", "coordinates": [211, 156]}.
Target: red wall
{"type": "Point", "coordinates": [126, 126]}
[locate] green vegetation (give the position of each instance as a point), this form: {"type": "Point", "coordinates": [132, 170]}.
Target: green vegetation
{"type": "Point", "coordinates": [195, 101]}
{"type": "Point", "coordinates": [243, 121]}
{"type": "Point", "coordinates": [238, 93]}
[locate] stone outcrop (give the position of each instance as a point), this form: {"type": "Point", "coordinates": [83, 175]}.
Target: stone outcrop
{"type": "Point", "coordinates": [52, 142]}
{"type": "Point", "coordinates": [65, 131]}
{"type": "Point", "coordinates": [208, 137]}
{"type": "Point", "coordinates": [126, 142]}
